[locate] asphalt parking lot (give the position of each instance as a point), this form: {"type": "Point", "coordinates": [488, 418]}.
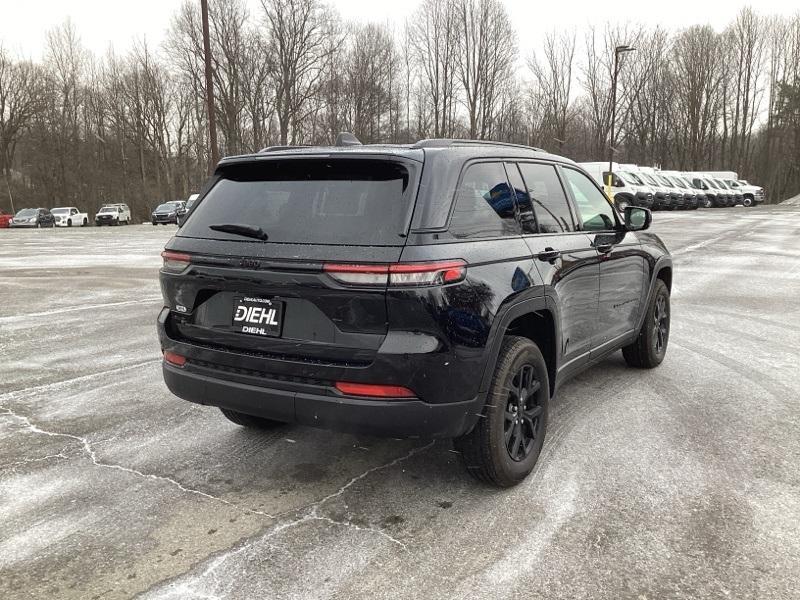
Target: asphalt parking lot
{"type": "Point", "coordinates": [681, 482]}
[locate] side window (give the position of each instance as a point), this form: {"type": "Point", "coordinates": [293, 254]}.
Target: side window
{"type": "Point", "coordinates": [527, 218]}
{"type": "Point", "coordinates": [594, 208]}
{"type": "Point", "coordinates": [547, 197]}
{"type": "Point", "coordinates": [484, 204]}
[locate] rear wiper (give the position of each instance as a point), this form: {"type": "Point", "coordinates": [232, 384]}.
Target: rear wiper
{"type": "Point", "coordinates": [240, 229]}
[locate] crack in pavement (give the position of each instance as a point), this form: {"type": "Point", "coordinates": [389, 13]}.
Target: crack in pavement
{"type": "Point", "coordinates": [90, 452]}
{"type": "Point", "coordinates": [27, 461]}
{"type": "Point", "coordinates": [185, 589]}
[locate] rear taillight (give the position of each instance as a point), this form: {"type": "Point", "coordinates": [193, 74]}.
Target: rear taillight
{"type": "Point", "coordinates": [175, 262]}
{"type": "Point", "coordinates": [399, 274]}
{"type": "Point", "coordinates": [374, 390]}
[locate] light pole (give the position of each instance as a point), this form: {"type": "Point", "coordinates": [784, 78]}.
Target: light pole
{"type": "Point", "coordinates": [617, 51]}
{"type": "Point", "coordinates": [212, 119]}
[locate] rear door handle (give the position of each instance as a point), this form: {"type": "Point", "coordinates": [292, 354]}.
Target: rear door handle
{"type": "Point", "coordinates": [548, 254]}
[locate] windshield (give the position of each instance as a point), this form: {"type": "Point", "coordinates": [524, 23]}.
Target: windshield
{"type": "Point", "coordinates": [26, 212]}
{"type": "Point", "coordinates": [665, 181]}
{"type": "Point", "coordinates": [310, 201]}
{"type": "Point", "coordinates": [650, 179]}
{"type": "Point", "coordinates": [632, 178]}
{"type": "Point", "coordinates": [60, 211]}
{"type": "Point", "coordinates": [165, 207]}
{"type": "Point", "coordinates": [108, 209]}
{"type": "Point", "coordinates": [721, 185]}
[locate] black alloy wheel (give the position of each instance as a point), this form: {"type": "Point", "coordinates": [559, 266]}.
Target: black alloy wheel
{"type": "Point", "coordinates": [521, 427]}
{"type": "Point", "coordinates": [505, 443]}
{"type": "Point", "coordinates": [660, 323]}
{"type": "Point", "coordinates": [650, 346]}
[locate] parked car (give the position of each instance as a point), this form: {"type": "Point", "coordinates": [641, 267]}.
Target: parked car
{"type": "Point", "coordinates": [627, 189]}
{"type": "Point", "coordinates": [690, 200]}
{"type": "Point", "coordinates": [737, 198]}
{"type": "Point", "coordinates": [387, 290]}
{"type": "Point", "coordinates": [752, 195]}
{"type": "Point", "coordinates": [189, 204]}
{"type": "Point", "coordinates": [113, 214]}
{"type": "Point", "coordinates": [5, 219]}
{"type": "Point", "coordinates": [662, 196]}
{"type": "Point", "coordinates": [714, 198]}
{"type": "Point", "coordinates": [169, 212]}
{"type": "Point", "coordinates": [33, 217]}
{"type": "Point", "coordinates": [67, 216]}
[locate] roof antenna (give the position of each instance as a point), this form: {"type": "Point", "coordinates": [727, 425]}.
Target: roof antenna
{"type": "Point", "coordinates": [346, 138]}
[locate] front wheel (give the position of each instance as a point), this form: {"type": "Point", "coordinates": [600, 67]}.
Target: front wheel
{"type": "Point", "coordinates": [748, 202]}
{"type": "Point", "coordinates": [650, 346]}
{"type": "Point", "coordinates": [246, 420]}
{"type": "Point", "coordinates": [505, 443]}
{"type": "Point", "coordinates": [69, 222]}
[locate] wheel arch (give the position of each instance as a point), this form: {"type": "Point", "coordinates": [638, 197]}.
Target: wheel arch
{"type": "Point", "coordinates": [531, 319]}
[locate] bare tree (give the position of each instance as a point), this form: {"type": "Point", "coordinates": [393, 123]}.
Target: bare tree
{"type": "Point", "coordinates": [297, 30]}
{"type": "Point", "coordinates": [486, 54]}
{"type": "Point", "coordinates": [553, 78]}
{"type": "Point", "coordinates": [20, 89]}
{"type": "Point", "coordinates": [432, 39]}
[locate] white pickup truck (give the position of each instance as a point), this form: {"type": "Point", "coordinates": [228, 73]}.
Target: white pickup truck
{"type": "Point", "coordinates": [69, 216]}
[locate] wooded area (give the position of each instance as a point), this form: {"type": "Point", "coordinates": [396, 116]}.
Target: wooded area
{"type": "Point", "coordinates": [78, 129]}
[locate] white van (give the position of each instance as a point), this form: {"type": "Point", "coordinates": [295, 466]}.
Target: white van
{"type": "Point", "coordinates": [627, 188]}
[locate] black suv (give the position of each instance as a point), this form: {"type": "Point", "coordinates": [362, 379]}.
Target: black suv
{"type": "Point", "coordinates": [441, 289]}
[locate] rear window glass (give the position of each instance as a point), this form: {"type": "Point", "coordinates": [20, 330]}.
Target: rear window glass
{"type": "Point", "coordinates": [310, 201]}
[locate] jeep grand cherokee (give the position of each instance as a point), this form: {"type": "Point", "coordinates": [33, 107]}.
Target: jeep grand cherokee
{"type": "Point", "coordinates": [441, 289]}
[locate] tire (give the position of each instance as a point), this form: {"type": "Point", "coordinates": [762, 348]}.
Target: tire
{"type": "Point", "coordinates": [747, 202]}
{"type": "Point", "coordinates": [38, 225]}
{"type": "Point", "coordinates": [69, 222]}
{"type": "Point", "coordinates": [117, 221]}
{"type": "Point", "coordinates": [650, 346]}
{"type": "Point", "coordinates": [85, 222]}
{"type": "Point", "coordinates": [487, 449]}
{"type": "Point", "coordinates": [246, 420]}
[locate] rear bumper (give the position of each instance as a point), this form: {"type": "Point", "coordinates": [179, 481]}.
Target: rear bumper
{"type": "Point", "coordinates": [393, 418]}
{"type": "Point", "coordinates": [305, 393]}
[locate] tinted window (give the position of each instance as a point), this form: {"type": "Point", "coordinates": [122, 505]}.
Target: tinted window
{"type": "Point", "coordinates": [527, 218]}
{"type": "Point", "coordinates": [310, 201]}
{"type": "Point", "coordinates": [593, 206]}
{"type": "Point", "coordinates": [549, 202]}
{"type": "Point", "coordinates": [484, 204]}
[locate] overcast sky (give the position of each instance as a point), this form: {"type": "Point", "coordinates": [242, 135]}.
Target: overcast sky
{"type": "Point", "coordinates": [103, 22]}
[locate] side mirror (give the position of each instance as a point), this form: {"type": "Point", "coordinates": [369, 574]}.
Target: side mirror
{"type": "Point", "coordinates": [637, 218]}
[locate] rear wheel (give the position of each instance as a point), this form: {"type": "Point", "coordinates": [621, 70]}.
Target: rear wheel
{"type": "Point", "coordinates": [650, 346]}
{"type": "Point", "coordinates": [505, 443]}
{"type": "Point", "coordinates": [246, 420]}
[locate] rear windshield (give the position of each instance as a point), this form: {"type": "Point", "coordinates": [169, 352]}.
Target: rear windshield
{"type": "Point", "coordinates": [310, 201]}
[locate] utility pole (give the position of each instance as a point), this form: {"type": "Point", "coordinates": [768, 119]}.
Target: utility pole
{"type": "Point", "coordinates": [617, 51]}
{"type": "Point", "coordinates": [212, 118]}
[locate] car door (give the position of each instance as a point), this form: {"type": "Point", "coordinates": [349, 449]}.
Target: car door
{"type": "Point", "coordinates": [623, 265]}
{"type": "Point", "coordinates": [565, 258]}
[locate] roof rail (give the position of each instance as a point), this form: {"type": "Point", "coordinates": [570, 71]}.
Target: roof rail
{"type": "Point", "coordinates": [448, 142]}
{"type": "Point", "coordinates": [279, 148]}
